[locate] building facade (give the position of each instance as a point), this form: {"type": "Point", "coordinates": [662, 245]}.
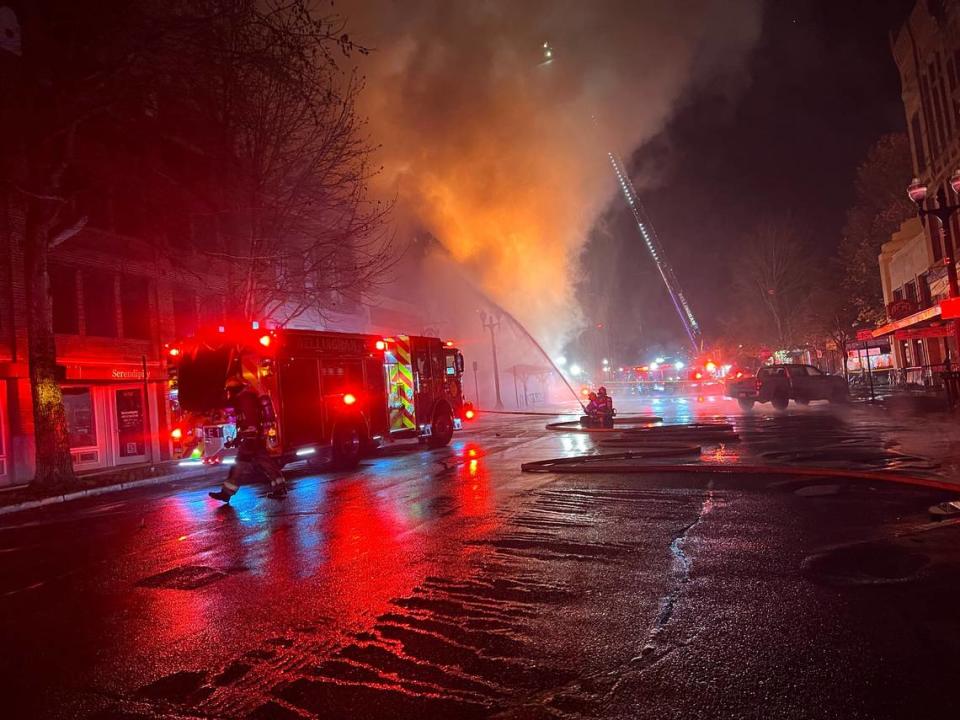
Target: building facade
{"type": "Point", "coordinates": [926, 50]}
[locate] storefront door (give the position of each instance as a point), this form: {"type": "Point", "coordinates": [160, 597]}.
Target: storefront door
{"type": "Point", "coordinates": [130, 417]}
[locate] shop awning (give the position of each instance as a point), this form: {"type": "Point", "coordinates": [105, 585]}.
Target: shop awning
{"type": "Point", "coordinates": [924, 318]}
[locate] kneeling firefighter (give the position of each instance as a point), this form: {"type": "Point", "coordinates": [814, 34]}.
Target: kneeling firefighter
{"type": "Point", "coordinates": [605, 404]}
{"type": "Point", "coordinates": [252, 453]}
{"type": "Point", "coordinates": [593, 418]}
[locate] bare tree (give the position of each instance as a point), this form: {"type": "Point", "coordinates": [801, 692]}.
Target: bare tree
{"type": "Point", "coordinates": [74, 68]}
{"type": "Point", "coordinates": [295, 221]}
{"type": "Point", "coordinates": [773, 282]}
{"type": "Point", "coordinates": [881, 205]}
{"type": "Point", "coordinates": [261, 79]}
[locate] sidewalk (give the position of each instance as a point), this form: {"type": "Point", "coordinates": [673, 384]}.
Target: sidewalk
{"type": "Point", "coordinates": [24, 497]}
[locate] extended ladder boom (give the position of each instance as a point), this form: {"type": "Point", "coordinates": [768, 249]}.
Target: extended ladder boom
{"type": "Point", "coordinates": [659, 257]}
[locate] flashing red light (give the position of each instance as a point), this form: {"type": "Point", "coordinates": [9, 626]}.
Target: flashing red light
{"type": "Point", "coordinates": [381, 345]}
{"type": "Point", "coordinates": [711, 366]}
{"type": "Point", "coordinates": [472, 452]}
{"type": "Point", "coordinates": [349, 399]}
{"type": "Point", "coordinates": [585, 391]}
{"type": "Point", "coordinates": [176, 433]}
{"type": "Point", "coordinates": [698, 376]}
{"type": "Point", "coordinates": [174, 351]}
{"type": "Point", "coordinates": [265, 340]}
{"type": "Point", "coordinates": [449, 343]}
{"type": "Point", "coordinates": [739, 374]}
{"type": "Point", "coordinates": [469, 414]}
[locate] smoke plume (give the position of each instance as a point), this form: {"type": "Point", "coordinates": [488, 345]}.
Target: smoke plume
{"type": "Point", "coordinates": [499, 151]}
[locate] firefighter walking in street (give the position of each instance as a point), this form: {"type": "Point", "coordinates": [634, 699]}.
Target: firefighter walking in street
{"type": "Point", "coordinates": [252, 453]}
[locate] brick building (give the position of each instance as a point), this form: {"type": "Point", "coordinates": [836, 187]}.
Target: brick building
{"type": "Point", "coordinates": [927, 53]}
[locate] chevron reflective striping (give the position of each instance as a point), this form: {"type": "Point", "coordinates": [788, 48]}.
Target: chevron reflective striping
{"type": "Point", "coordinates": [403, 417]}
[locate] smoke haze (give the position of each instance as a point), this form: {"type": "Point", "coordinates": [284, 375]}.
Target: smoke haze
{"type": "Point", "coordinates": [500, 155]}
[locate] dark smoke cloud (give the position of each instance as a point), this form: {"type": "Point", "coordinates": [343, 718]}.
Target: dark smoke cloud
{"type": "Point", "coordinates": [502, 156]}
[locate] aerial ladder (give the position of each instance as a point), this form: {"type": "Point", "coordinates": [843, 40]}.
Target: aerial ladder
{"type": "Point", "coordinates": [652, 242]}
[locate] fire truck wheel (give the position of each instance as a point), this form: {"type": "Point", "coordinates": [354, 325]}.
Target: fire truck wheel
{"type": "Point", "coordinates": [442, 430]}
{"type": "Point", "coordinates": [345, 452]}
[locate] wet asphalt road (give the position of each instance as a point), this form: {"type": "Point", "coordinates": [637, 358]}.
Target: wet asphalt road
{"type": "Point", "coordinates": [448, 584]}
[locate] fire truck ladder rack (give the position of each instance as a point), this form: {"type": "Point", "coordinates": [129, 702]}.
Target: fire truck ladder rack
{"type": "Point", "coordinates": [649, 236]}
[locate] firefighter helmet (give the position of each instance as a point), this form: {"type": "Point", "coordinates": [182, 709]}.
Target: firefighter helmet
{"type": "Point", "coordinates": [235, 384]}
{"type": "Point", "coordinates": [602, 390]}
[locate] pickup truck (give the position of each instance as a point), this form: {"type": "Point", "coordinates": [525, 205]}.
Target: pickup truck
{"type": "Point", "coordinates": [779, 384]}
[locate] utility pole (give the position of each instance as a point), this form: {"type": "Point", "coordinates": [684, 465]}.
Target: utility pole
{"type": "Point", "coordinates": [476, 385]}
{"type": "Point", "coordinates": [492, 323]}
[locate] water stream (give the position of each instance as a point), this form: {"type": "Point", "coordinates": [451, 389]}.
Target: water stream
{"type": "Point", "coordinates": [539, 347]}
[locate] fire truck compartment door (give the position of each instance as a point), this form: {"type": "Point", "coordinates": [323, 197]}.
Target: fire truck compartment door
{"type": "Point", "coordinates": [398, 367]}
{"type": "Point", "coordinates": [302, 413]}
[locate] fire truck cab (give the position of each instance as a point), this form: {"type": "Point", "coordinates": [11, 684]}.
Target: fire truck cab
{"type": "Point", "coordinates": [325, 395]}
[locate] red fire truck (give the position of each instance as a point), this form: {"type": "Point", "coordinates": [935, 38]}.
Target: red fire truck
{"type": "Point", "coordinates": [326, 395]}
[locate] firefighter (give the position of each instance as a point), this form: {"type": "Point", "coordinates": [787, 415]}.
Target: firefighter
{"type": "Point", "coordinates": [593, 416]}
{"type": "Point", "coordinates": [252, 454]}
{"type": "Point", "coordinates": [605, 404]}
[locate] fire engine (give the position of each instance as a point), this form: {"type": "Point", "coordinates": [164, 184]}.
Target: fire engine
{"type": "Point", "coordinates": [325, 395]}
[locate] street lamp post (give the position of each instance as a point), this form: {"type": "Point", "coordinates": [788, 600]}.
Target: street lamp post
{"type": "Point", "coordinates": [492, 323]}
{"type": "Point", "coordinates": [940, 231]}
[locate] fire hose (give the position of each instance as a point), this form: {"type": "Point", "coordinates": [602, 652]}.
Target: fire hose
{"type": "Point", "coordinates": [615, 463]}
{"type": "Point", "coordinates": [575, 426]}
{"type": "Point", "coordinates": [648, 442]}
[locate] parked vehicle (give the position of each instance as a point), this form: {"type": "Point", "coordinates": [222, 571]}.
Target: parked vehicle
{"type": "Point", "coordinates": [779, 384]}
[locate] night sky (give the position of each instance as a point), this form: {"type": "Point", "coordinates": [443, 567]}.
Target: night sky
{"type": "Point", "coordinates": [821, 86]}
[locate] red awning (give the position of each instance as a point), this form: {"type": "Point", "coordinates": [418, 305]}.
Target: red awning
{"type": "Point", "coordinates": [918, 319]}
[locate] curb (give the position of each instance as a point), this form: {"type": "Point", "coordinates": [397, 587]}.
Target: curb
{"type": "Point", "coordinates": [104, 489]}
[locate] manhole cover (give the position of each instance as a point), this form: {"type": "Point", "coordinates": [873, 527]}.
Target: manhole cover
{"type": "Point", "coordinates": [865, 564]}
{"type": "Point", "coordinates": [187, 577]}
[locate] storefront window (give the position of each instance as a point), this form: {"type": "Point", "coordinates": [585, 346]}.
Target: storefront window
{"type": "Point", "coordinates": [130, 422]}
{"type": "Point", "coordinates": [81, 422]}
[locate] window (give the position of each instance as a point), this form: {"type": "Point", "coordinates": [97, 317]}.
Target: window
{"type": "Point", "coordinates": [63, 293]}
{"type": "Point", "coordinates": [925, 299]}
{"type": "Point", "coordinates": [211, 310]}
{"type": "Point", "coordinates": [813, 372]}
{"type": "Point", "coordinates": [81, 422]}
{"type": "Point", "coordinates": [423, 366]}
{"type": "Point", "coordinates": [898, 294]}
{"type": "Point", "coordinates": [184, 313]}
{"type": "Point", "coordinates": [342, 377]}
{"type": "Point", "coordinates": [130, 424]}
{"type": "Point", "coordinates": [928, 114]}
{"type": "Point", "coordinates": [936, 246]}
{"type": "Point", "coordinates": [135, 307]}
{"type": "Point", "coordinates": [99, 304]}
{"type": "Point", "coordinates": [917, 134]}
{"type": "Point", "coordinates": [910, 291]}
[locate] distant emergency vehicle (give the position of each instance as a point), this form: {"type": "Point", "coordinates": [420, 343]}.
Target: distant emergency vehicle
{"type": "Point", "coordinates": [325, 395]}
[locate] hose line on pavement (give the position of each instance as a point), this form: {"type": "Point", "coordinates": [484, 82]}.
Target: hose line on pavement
{"type": "Point", "coordinates": [613, 464]}
{"type": "Point", "coordinates": [575, 426]}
